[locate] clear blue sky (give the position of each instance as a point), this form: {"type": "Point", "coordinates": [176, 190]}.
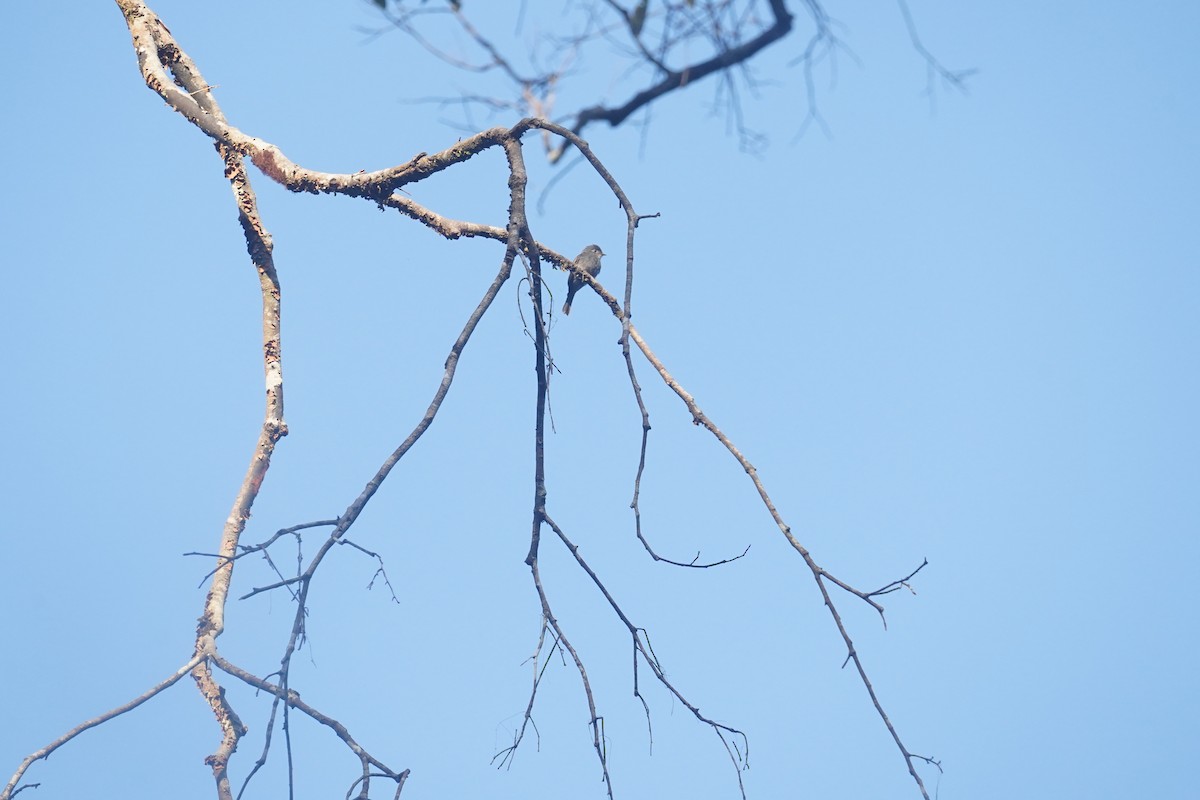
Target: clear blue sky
{"type": "Point", "coordinates": [969, 336]}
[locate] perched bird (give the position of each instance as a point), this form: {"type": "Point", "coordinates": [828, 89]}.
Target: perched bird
{"type": "Point", "coordinates": [589, 262]}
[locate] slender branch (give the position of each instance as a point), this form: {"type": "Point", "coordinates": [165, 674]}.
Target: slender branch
{"type": "Point", "coordinates": [11, 789]}
{"type": "Point", "coordinates": [506, 756]}
{"type": "Point", "coordinates": [820, 575]}
{"type": "Point", "coordinates": [351, 514]}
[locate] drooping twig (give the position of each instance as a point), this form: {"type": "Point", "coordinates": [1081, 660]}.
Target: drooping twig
{"type": "Point", "coordinates": [520, 235]}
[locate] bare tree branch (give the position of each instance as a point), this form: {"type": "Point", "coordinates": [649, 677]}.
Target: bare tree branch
{"type": "Point", "coordinates": [169, 72]}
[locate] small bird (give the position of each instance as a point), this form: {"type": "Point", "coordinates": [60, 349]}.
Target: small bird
{"type": "Point", "coordinates": [589, 262]}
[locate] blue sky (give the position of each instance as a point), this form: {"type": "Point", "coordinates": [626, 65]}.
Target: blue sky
{"type": "Point", "coordinates": [967, 335]}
